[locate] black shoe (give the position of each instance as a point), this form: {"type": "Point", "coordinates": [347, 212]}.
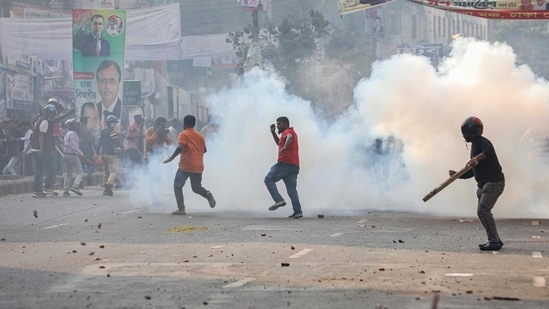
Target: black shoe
{"type": "Point", "coordinates": [296, 215]}
{"type": "Point", "coordinates": [491, 246]}
{"type": "Point", "coordinates": [277, 205]}
{"type": "Point", "coordinates": [210, 198]}
{"type": "Point", "coordinates": [486, 244]}
{"type": "Point", "coordinates": [108, 189]}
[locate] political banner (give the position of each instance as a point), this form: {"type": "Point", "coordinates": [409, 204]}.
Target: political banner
{"type": "Point", "coordinates": [492, 9]}
{"type": "Point", "coordinates": [98, 59]}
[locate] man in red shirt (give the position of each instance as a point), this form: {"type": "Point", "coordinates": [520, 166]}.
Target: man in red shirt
{"type": "Point", "coordinates": [191, 147]}
{"type": "Point", "coordinates": [287, 167]}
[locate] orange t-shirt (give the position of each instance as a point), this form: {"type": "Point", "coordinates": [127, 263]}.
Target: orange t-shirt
{"type": "Point", "coordinates": [191, 158]}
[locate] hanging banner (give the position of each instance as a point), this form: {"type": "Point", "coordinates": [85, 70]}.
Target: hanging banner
{"type": "Point", "coordinates": [351, 6]}
{"type": "Point", "coordinates": [98, 57]}
{"type": "Point", "coordinates": [494, 9]}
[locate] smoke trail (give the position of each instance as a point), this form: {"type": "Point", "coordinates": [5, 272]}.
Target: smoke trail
{"type": "Point", "coordinates": [412, 109]}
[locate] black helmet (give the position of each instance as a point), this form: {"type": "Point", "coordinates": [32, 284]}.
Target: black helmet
{"type": "Point", "coordinates": [111, 120]}
{"type": "Point", "coordinates": [471, 128]}
{"type": "Point", "coordinates": [49, 111]}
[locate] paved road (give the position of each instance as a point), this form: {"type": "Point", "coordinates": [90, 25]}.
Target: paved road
{"type": "Point", "coordinates": [100, 252]}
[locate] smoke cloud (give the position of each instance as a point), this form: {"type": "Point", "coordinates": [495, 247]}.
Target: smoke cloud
{"type": "Point", "coordinates": [412, 110]}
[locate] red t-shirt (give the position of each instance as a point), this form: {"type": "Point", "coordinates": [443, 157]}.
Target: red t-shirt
{"type": "Point", "coordinates": [291, 154]}
{"type": "Point", "coordinates": [192, 156]}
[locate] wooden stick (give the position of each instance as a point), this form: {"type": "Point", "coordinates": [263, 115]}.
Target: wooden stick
{"type": "Point", "coordinates": [446, 183]}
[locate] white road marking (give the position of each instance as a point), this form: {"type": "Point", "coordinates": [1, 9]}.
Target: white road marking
{"type": "Point", "coordinates": [300, 253]}
{"type": "Point", "coordinates": [539, 282]}
{"type": "Point", "coordinates": [536, 255]}
{"type": "Point", "coordinates": [238, 283]}
{"type": "Point", "coordinates": [129, 211]}
{"type": "Point", "coordinates": [336, 235]}
{"type": "Point", "coordinates": [55, 226]}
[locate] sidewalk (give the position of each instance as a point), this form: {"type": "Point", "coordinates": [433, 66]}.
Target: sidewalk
{"type": "Point", "coordinates": [23, 184]}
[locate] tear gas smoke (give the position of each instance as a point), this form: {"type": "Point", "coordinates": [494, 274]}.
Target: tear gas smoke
{"type": "Point", "coordinates": [410, 110]}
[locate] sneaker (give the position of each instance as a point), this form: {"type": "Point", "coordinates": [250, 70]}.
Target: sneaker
{"type": "Point", "coordinates": [66, 194]}
{"type": "Point", "coordinates": [210, 198]}
{"type": "Point", "coordinates": [277, 205]}
{"type": "Point", "coordinates": [296, 215]}
{"type": "Point", "coordinates": [179, 212]}
{"type": "Point", "coordinates": [51, 192]}
{"type": "Point", "coordinates": [39, 194]}
{"type": "Point", "coordinates": [77, 191]}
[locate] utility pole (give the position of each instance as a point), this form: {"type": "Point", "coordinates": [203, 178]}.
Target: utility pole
{"type": "Point", "coordinates": [255, 25]}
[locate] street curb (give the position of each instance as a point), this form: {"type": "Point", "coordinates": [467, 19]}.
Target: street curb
{"type": "Point", "coordinates": [21, 185]}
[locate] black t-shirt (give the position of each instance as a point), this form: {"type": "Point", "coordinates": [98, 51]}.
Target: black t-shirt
{"type": "Point", "coordinates": [108, 141]}
{"type": "Point", "coordinates": [489, 169]}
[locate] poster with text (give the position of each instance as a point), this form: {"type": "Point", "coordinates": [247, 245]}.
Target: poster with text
{"type": "Point", "coordinates": [98, 59]}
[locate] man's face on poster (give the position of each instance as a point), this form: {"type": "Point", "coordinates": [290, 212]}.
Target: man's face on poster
{"type": "Point", "coordinates": [93, 119]}
{"type": "Point", "coordinates": [97, 25]}
{"type": "Point", "coordinates": [108, 85]}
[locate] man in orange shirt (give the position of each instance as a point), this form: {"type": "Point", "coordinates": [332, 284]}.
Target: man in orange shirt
{"type": "Point", "coordinates": [191, 148]}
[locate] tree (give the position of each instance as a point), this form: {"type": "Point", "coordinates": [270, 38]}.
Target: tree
{"type": "Point", "coordinates": [287, 46]}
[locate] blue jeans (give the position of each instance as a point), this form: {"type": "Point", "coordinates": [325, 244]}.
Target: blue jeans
{"type": "Point", "coordinates": [288, 173]}
{"type": "Point", "coordinates": [487, 197]}
{"type": "Point", "coordinates": [10, 167]}
{"type": "Point", "coordinates": [43, 163]}
{"type": "Point", "coordinates": [179, 182]}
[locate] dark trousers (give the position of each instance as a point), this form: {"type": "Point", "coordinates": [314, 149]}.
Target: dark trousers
{"type": "Point", "coordinates": [487, 197]}
{"type": "Point", "coordinates": [196, 185]}
{"type": "Point", "coordinates": [43, 163]}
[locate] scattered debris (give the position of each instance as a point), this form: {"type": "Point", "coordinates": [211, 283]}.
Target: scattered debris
{"type": "Point", "coordinates": [187, 228]}
{"type": "Point", "coordinates": [535, 222]}
{"type": "Point", "coordinates": [82, 243]}
{"type": "Point", "coordinates": [99, 225]}
{"type": "Point", "coordinates": [284, 264]}
{"type": "Point", "coordinates": [292, 247]}
{"type": "Point", "coordinates": [147, 297]}
{"type": "Point", "coordinates": [320, 216]}
{"type": "Point", "coordinates": [263, 234]}
{"type": "Point", "coordinates": [35, 213]}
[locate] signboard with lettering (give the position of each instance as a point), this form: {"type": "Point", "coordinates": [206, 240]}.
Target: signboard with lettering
{"type": "Point", "coordinates": [132, 92]}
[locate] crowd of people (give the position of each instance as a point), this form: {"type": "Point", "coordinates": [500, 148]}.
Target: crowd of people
{"type": "Point", "coordinates": [49, 144]}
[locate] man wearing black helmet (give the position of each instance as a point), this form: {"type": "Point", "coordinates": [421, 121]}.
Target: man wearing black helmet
{"type": "Point", "coordinates": [489, 176]}
{"type": "Point", "coordinates": [43, 147]}
{"type": "Point", "coordinates": [109, 144]}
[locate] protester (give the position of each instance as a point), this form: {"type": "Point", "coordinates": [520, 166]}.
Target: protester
{"type": "Point", "coordinates": [14, 148]}
{"type": "Point", "coordinates": [156, 138]}
{"type": "Point", "coordinates": [43, 147]}
{"type": "Point", "coordinates": [191, 148]}
{"type": "Point", "coordinates": [87, 146]}
{"type": "Point", "coordinates": [287, 167]}
{"type": "Point", "coordinates": [489, 176]}
{"type": "Point", "coordinates": [109, 145]}
{"type": "Point", "coordinates": [71, 154]}
{"type": "Point", "coordinates": [134, 140]}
